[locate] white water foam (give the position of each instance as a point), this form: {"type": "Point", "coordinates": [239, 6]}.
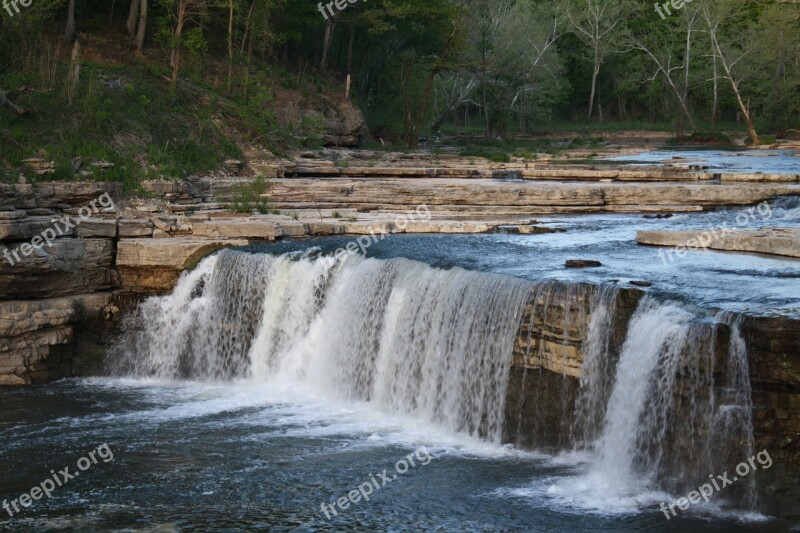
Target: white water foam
{"type": "Point", "coordinates": [411, 340]}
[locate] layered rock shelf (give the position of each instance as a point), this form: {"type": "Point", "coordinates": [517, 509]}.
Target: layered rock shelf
{"type": "Point", "coordinates": [772, 241]}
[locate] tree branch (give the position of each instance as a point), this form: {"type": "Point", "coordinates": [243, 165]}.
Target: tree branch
{"type": "Point", "coordinates": [4, 101]}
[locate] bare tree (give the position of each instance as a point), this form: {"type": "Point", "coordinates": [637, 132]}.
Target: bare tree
{"type": "Point", "coordinates": [661, 52]}
{"type": "Point", "coordinates": [728, 55]}
{"type": "Point", "coordinates": [599, 24]}
{"type": "Point", "coordinates": [452, 90]}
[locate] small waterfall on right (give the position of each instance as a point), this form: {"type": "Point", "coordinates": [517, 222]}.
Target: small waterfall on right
{"type": "Point", "coordinates": [674, 408]}
{"type": "Point", "coordinates": [627, 450]}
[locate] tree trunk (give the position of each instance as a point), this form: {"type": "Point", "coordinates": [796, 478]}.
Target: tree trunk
{"type": "Point", "coordinates": [230, 43]}
{"type": "Point", "coordinates": [439, 122]}
{"type": "Point", "coordinates": [177, 33]}
{"type": "Point", "coordinates": [142, 31]}
{"type": "Point", "coordinates": [350, 44]}
{"type": "Point", "coordinates": [133, 17]}
{"type": "Point", "coordinates": [595, 72]}
{"type": "Point", "coordinates": [716, 97]}
{"type": "Point", "coordinates": [326, 43]}
{"type": "Point", "coordinates": [247, 26]}
{"type": "Point", "coordinates": [686, 72]}
{"type": "Point", "coordinates": [735, 87]}
{"type": "Point", "coordinates": [746, 112]}
{"type": "Point", "coordinates": [69, 31]}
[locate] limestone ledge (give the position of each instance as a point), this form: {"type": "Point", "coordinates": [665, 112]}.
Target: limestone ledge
{"type": "Point", "coordinates": [271, 227]}
{"type": "Point", "coordinates": [69, 266]}
{"type": "Point", "coordinates": [37, 337]}
{"type": "Point", "coordinates": [177, 253]}
{"type": "Point", "coordinates": [482, 197]}
{"type": "Point", "coordinates": [773, 241]}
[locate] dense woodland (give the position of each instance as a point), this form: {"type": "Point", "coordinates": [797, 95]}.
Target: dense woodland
{"type": "Point", "coordinates": [495, 68]}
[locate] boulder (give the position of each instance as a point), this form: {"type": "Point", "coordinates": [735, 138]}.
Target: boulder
{"type": "Point", "coordinates": [582, 263]}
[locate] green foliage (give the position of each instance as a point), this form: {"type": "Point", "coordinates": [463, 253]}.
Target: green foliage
{"type": "Point", "coordinates": [496, 68]}
{"type": "Point", "coordinates": [120, 115]}
{"type": "Point", "coordinates": [249, 197]}
{"type": "Point", "coordinates": [703, 138]}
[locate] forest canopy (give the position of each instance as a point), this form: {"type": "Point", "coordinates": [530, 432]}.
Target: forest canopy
{"type": "Point", "coordinates": [416, 67]}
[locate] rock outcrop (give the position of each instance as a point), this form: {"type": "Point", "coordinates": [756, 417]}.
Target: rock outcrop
{"type": "Point", "coordinates": [44, 340]}
{"type": "Point", "coordinates": [772, 241]}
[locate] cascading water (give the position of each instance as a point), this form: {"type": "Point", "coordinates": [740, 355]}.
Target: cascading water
{"type": "Point", "coordinates": [436, 346]}
{"type": "Point", "coordinates": [413, 340]}
{"type": "Point", "coordinates": [645, 374]}
{"type": "Point", "coordinates": [671, 417]}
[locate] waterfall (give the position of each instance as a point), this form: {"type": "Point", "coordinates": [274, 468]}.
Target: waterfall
{"type": "Point", "coordinates": [655, 393]}
{"type": "Point", "coordinates": [642, 393]}
{"type": "Point", "coordinates": [598, 367]}
{"type": "Point", "coordinates": [411, 339]}
{"type": "Point", "coordinates": [679, 407]}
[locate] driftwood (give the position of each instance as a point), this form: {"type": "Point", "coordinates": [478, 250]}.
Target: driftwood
{"type": "Point", "coordinates": [4, 101]}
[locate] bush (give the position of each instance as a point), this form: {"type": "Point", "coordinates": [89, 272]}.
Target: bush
{"type": "Point", "coordinates": [249, 197]}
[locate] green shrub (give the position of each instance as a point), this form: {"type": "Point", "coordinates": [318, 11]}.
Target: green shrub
{"type": "Point", "coordinates": [249, 197]}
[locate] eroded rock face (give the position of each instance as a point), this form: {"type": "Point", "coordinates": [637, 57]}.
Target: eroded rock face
{"type": "Point", "coordinates": [342, 123]}
{"type": "Point", "coordinates": [69, 266]}
{"type": "Point", "coordinates": [483, 197]}
{"type": "Point", "coordinates": [40, 339]}
{"type": "Point", "coordinates": [774, 345]}
{"type": "Point", "coordinates": [547, 361]}
{"type": "Point", "coordinates": [151, 266]}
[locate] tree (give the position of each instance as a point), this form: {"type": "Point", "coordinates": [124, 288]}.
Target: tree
{"type": "Point", "coordinates": [69, 31]}
{"type": "Point", "coordinates": [133, 17]}
{"type": "Point", "coordinates": [670, 51]}
{"type": "Point", "coordinates": [488, 19]}
{"type": "Point", "coordinates": [599, 24]}
{"type": "Point", "coordinates": [185, 13]}
{"type": "Point", "coordinates": [142, 29]}
{"type": "Point", "coordinates": [773, 66]}
{"type": "Point", "coordinates": [730, 44]}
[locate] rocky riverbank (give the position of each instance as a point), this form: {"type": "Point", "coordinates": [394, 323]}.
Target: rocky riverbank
{"type": "Point", "coordinates": [141, 246]}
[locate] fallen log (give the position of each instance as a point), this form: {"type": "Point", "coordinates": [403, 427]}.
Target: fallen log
{"type": "Point", "coordinates": [4, 101]}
